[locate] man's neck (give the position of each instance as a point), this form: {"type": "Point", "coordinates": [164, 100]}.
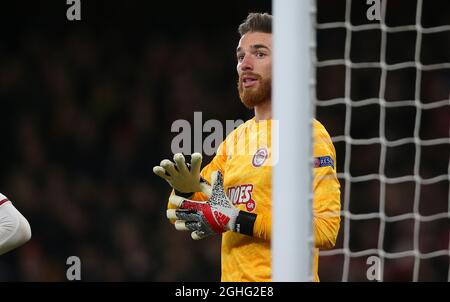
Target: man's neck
{"type": "Point", "coordinates": [263, 111]}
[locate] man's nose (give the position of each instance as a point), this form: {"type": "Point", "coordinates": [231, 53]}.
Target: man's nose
{"type": "Point", "coordinates": [246, 64]}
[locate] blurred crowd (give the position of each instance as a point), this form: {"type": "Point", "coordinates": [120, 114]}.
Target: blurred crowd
{"type": "Point", "coordinates": [86, 113]}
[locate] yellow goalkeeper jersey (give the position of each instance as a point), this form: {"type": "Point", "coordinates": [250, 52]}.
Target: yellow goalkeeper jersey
{"type": "Point", "coordinates": [245, 159]}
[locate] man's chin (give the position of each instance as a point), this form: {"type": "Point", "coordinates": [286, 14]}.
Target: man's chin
{"type": "Point", "coordinates": [250, 101]}
{"type": "Point", "coordinates": [254, 95]}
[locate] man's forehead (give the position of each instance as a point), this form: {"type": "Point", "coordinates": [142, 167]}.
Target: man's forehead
{"type": "Point", "coordinates": [255, 40]}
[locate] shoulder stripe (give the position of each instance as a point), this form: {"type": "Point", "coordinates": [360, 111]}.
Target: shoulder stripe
{"type": "Point", "coordinates": [3, 201]}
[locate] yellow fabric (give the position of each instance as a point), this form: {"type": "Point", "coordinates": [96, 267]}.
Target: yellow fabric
{"type": "Point", "coordinates": [247, 258]}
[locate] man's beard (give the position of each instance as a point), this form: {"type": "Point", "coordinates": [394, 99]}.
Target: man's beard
{"type": "Point", "coordinates": [252, 97]}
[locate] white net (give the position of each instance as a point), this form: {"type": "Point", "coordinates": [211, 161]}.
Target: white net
{"type": "Point", "coordinates": [383, 94]}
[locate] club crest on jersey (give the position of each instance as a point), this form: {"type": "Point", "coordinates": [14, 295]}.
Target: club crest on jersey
{"type": "Point", "coordinates": [242, 195]}
{"type": "Point", "coordinates": [260, 157]}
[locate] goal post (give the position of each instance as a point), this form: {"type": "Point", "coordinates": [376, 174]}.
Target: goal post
{"type": "Point", "coordinates": [292, 240]}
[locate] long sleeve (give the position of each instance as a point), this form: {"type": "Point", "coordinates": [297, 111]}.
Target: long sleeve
{"type": "Point", "coordinates": [326, 188]}
{"type": "Point", "coordinates": [326, 192]}
{"type": "Point", "coordinates": [14, 228]}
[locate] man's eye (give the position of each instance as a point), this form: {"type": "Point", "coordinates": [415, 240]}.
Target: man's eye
{"type": "Point", "coordinates": [240, 58]}
{"type": "Point", "coordinates": [260, 54]}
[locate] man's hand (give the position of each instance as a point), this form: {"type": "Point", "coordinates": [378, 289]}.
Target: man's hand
{"type": "Point", "coordinates": [182, 177]}
{"type": "Point", "coordinates": [215, 216]}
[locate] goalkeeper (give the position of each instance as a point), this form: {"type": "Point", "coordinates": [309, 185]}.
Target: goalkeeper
{"type": "Point", "coordinates": [232, 194]}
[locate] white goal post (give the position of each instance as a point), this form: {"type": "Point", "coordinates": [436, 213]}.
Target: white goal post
{"type": "Point", "coordinates": [292, 240]}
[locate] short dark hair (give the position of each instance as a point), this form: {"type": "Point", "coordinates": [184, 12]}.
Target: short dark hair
{"type": "Point", "coordinates": [256, 22]}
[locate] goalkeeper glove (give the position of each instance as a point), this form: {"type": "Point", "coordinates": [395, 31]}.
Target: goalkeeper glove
{"type": "Point", "coordinates": [215, 216]}
{"type": "Point", "coordinates": [185, 179]}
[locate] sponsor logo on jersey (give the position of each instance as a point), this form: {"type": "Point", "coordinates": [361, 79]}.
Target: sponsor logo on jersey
{"type": "Point", "coordinates": [260, 157]}
{"type": "Point", "coordinates": [323, 161]}
{"type": "Point", "coordinates": [242, 195]}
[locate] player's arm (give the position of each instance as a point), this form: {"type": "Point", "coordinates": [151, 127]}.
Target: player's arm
{"type": "Point", "coordinates": [14, 228]}
{"type": "Point", "coordinates": [326, 200]}
{"type": "Point", "coordinates": [326, 188]}
{"type": "Point", "coordinates": [218, 215]}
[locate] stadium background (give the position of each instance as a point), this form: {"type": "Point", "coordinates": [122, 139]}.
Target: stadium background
{"type": "Point", "coordinates": [86, 113]}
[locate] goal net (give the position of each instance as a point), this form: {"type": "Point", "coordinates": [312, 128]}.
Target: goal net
{"type": "Point", "coordinates": [382, 91]}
